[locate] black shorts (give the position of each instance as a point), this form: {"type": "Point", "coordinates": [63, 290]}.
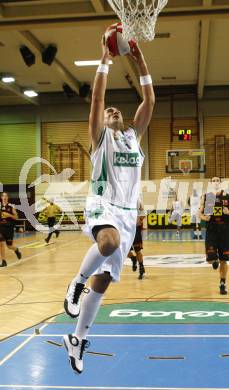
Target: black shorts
{"type": "Point", "coordinates": [217, 242]}
{"type": "Point", "coordinates": [7, 233]}
{"type": "Point", "coordinates": [138, 244]}
{"type": "Point", "coordinates": [51, 221]}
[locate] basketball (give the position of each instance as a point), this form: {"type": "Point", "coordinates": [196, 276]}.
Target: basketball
{"type": "Point", "coordinates": [116, 44]}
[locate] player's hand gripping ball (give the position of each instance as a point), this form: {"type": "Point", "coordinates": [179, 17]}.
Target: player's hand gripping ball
{"type": "Point", "coordinates": [116, 44]}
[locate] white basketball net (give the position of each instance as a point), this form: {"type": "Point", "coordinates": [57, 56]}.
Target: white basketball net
{"type": "Point", "coordinates": [138, 17]}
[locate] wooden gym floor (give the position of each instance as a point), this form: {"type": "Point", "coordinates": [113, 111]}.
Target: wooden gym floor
{"type": "Point", "coordinates": [33, 289]}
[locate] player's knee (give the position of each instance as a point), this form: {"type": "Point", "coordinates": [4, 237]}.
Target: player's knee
{"type": "Point", "coordinates": [108, 242]}
{"type": "Point", "coordinates": [100, 283]}
{"type": "Point", "coordinates": [212, 255]}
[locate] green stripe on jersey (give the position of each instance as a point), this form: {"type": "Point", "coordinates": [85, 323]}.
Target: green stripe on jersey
{"type": "Point", "coordinates": [99, 185]}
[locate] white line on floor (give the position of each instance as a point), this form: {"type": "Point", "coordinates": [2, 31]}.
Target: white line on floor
{"type": "Point", "coordinates": [15, 387]}
{"type": "Point", "coordinates": [159, 336]}
{"type": "Point", "coordinates": [20, 346]}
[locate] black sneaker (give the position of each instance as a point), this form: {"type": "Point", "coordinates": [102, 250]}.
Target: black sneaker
{"type": "Point", "coordinates": [4, 263]}
{"type": "Point", "coordinates": [75, 349]}
{"type": "Point", "coordinates": [47, 240]}
{"type": "Point", "coordinates": [18, 254]}
{"type": "Point", "coordinates": [215, 264]}
{"type": "Point", "coordinates": [134, 263]}
{"type": "Point", "coordinates": [222, 289]}
{"type": "Point", "coordinates": [72, 300]}
{"type": "Point", "coordinates": [141, 271]}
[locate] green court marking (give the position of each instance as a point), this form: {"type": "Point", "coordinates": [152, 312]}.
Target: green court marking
{"type": "Point", "coordinates": [163, 312]}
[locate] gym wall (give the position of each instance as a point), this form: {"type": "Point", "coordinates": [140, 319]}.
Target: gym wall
{"type": "Point", "coordinates": [18, 143]}
{"type": "Point", "coordinates": [217, 157]}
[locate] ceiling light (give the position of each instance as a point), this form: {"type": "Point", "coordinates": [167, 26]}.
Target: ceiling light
{"type": "Point", "coordinates": [7, 79]}
{"type": "Point", "coordinates": [90, 63]}
{"type": "Point", "coordinates": [30, 93]}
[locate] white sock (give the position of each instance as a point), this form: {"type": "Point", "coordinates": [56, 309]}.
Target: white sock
{"type": "Point", "coordinates": [92, 260]}
{"type": "Point", "coordinates": [89, 308]}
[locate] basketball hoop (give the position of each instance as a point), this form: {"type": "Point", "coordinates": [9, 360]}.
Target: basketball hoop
{"type": "Point", "coordinates": [138, 17]}
{"type": "Point", "coordinates": [185, 166]}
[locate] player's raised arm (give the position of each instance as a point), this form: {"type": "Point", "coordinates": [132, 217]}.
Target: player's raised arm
{"type": "Point", "coordinates": [144, 112]}
{"type": "Point", "coordinates": [96, 117]}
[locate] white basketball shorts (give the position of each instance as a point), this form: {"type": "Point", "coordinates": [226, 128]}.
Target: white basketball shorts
{"type": "Point", "coordinates": [99, 212]}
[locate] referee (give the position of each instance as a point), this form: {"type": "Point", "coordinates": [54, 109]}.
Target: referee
{"type": "Point", "coordinates": [51, 213]}
{"type": "Point", "coordinates": [8, 216]}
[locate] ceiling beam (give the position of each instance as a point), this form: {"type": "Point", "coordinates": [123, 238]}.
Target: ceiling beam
{"type": "Point", "coordinates": [203, 56]}
{"type": "Point", "coordinates": [17, 90]}
{"type": "Point", "coordinates": [203, 51]}
{"type": "Point", "coordinates": [1, 11]}
{"type": "Point", "coordinates": [97, 4]}
{"type": "Point", "coordinates": [35, 45]}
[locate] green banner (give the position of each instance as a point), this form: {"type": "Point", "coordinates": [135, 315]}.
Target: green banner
{"type": "Point", "coordinates": [162, 312]}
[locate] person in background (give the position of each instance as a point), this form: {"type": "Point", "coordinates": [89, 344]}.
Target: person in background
{"type": "Point", "coordinates": [176, 214]}
{"type": "Point", "coordinates": [214, 210]}
{"type": "Point", "coordinates": [194, 204]}
{"type": "Point", "coordinates": [51, 212]}
{"type": "Point", "coordinates": [137, 245]}
{"type": "Point", "coordinates": [8, 216]}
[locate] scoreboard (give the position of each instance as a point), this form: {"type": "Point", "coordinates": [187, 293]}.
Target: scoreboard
{"type": "Point", "coordinates": [185, 134]}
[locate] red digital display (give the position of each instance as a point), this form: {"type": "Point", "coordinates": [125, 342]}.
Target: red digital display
{"type": "Point", "coordinates": [185, 134]}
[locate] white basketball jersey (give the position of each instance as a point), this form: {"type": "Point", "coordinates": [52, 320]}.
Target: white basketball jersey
{"type": "Point", "coordinates": [194, 204]}
{"type": "Point", "coordinates": [177, 207]}
{"type": "Point", "coordinates": [117, 163]}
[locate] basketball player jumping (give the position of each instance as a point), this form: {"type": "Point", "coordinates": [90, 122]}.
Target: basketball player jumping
{"type": "Point", "coordinates": [214, 210]}
{"type": "Point", "coordinates": [111, 210]}
{"type": "Point", "coordinates": [8, 216]}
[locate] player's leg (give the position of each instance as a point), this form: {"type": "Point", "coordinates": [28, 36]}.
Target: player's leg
{"type": "Point", "coordinates": [9, 236]}
{"type": "Point", "coordinates": [198, 227]}
{"type": "Point", "coordinates": [14, 248]}
{"type": "Point", "coordinates": [179, 223]}
{"type": "Point", "coordinates": [133, 258]}
{"type": "Point", "coordinates": [223, 256]}
{"type": "Point", "coordinates": [138, 246]}
{"type": "Point", "coordinates": [57, 232]}
{"type": "Point", "coordinates": [172, 217]}
{"type": "Point", "coordinates": [211, 245]}
{"type": "Point", "coordinates": [223, 277]}
{"type": "Point", "coordinates": [91, 302]}
{"type": "Point", "coordinates": [3, 262]}
{"type": "Point", "coordinates": [107, 242]}
{"type": "Point", "coordinates": [193, 226]}
{"type": "Point", "coordinates": [139, 256]}
{"type": "Point", "coordinates": [51, 223]}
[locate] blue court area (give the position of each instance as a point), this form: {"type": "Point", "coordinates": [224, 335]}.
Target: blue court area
{"type": "Point", "coordinates": [121, 356]}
